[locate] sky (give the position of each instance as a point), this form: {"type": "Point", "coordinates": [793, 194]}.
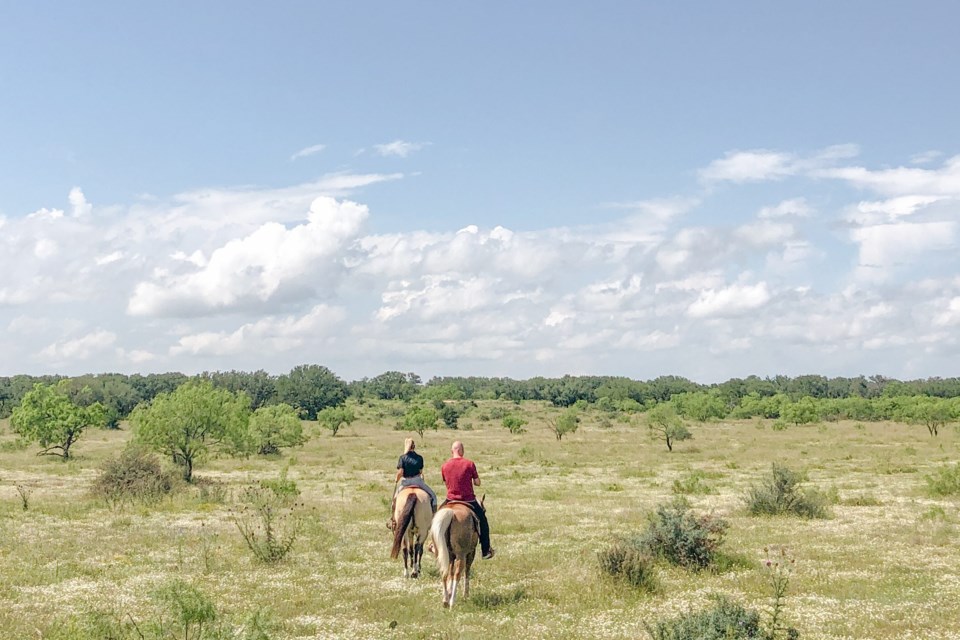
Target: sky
{"type": "Point", "coordinates": [710, 190]}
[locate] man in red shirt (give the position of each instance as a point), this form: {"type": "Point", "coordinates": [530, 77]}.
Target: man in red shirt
{"type": "Point", "coordinates": [460, 476]}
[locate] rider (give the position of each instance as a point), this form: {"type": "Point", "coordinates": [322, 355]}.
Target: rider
{"type": "Point", "coordinates": [410, 472]}
{"type": "Point", "coordinates": [460, 476]}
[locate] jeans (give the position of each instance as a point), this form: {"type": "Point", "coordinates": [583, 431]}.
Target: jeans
{"type": "Point", "coordinates": [418, 481]}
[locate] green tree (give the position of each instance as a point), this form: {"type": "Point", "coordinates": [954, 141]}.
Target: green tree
{"type": "Point", "coordinates": [274, 427]}
{"type": "Point", "coordinates": [514, 423]}
{"type": "Point", "coordinates": [665, 424]}
{"type": "Point", "coordinates": [803, 411]}
{"type": "Point", "coordinates": [311, 388]}
{"type": "Point", "coordinates": [48, 416]}
{"type": "Point", "coordinates": [420, 419]}
{"type": "Point", "coordinates": [933, 413]}
{"type": "Point", "coordinates": [189, 423]}
{"type": "Point", "coordinates": [567, 422]}
{"type": "Point", "coordinates": [334, 418]}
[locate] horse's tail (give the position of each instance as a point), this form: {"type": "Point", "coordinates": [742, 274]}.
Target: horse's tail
{"type": "Point", "coordinates": [402, 522]}
{"type": "Point", "coordinates": [440, 532]}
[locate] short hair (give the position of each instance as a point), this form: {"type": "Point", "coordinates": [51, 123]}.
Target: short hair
{"type": "Point", "coordinates": [409, 445]}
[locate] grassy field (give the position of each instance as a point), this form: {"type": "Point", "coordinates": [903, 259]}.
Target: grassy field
{"type": "Point", "coordinates": [886, 564]}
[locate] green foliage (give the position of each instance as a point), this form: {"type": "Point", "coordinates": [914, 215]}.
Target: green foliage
{"type": "Point", "coordinates": [311, 388]}
{"type": "Point", "coordinates": [420, 419]}
{"type": "Point", "coordinates": [700, 406]}
{"type": "Point", "coordinates": [275, 427]}
{"type": "Point", "coordinates": [192, 610]}
{"type": "Point", "coordinates": [780, 494]}
{"type": "Point", "coordinates": [933, 413]}
{"type": "Point", "coordinates": [625, 561]}
{"type": "Point", "coordinates": [725, 620]}
{"type": "Point", "coordinates": [682, 537]}
{"type": "Point", "coordinates": [192, 421]}
{"type": "Point", "coordinates": [945, 481]}
{"type": "Point", "coordinates": [335, 418]}
{"type": "Point", "coordinates": [514, 423]}
{"type": "Point", "coordinates": [692, 484]}
{"type": "Point", "coordinates": [803, 411]}
{"type": "Point", "coordinates": [48, 416]}
{"type": "Point", "coordinates": [665, 424]}
{"type": "Point", "coordinates": [567, 422]}
{"type": "Point", "coordinates": [133, 476]}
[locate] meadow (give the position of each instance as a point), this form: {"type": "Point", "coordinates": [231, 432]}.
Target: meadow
{"type": "Point", "coordinates": [885, 564]}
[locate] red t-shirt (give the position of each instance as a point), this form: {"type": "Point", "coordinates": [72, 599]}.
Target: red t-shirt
{"type": "Point", "coordinates": [459, 474]}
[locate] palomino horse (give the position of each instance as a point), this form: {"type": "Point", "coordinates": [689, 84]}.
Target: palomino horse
{"type": "Point", "coordinates": [412, 514]}
{"type": "Point", "coordinates": [455, 533]}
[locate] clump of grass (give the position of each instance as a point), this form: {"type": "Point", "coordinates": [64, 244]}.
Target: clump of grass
{"type": "Point", "coordinates": [945, 481]}
{"type": "Point", "coordinates": [692, 484]}
{"type": "Point", "coordinates": [682, 537]}
{"type": "Point", "coordinates": [134, 476]}
{"type": "Point", "coordinates": [625, 561]}
{"type": "Point", "coordinates": [781, 494]}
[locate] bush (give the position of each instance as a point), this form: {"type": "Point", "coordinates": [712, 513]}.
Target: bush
{"type": "Point", "coordinates": [625, 561]}
{"type": "Point", "coordinates": [514, 423]}
{"type": "Point", "coordinates": [269, 519]}
{"type": "Point", "coordinates": [945, 481]}
{"type": "Point", "coordinates": [724, 621]}
{"type": "Point", "coordinates": [682, 537]}
{"type": "Point", "coordinates": [781, 494]}
{"type": "Point", "coordinates": [134, 476]}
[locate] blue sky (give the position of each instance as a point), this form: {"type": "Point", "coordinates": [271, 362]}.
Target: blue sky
{"type": "Point", "coordinates": [710, 190]}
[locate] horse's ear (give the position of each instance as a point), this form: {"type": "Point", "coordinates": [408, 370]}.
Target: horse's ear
{"type": "Point", "coordinates": [482, 498]}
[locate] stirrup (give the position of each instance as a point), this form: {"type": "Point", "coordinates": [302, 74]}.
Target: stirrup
{"type": "Point", "coordinates": [489, 554]}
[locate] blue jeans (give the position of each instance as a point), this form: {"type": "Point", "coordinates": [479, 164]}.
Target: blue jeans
{"type": "Point", "coordinates": [418, 481]}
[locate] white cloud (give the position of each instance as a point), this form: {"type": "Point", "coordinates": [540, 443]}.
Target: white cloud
{"type": "Point", "coordinates": [732, 300]}
{"type": "Point", "coordinates": [925, 157]}
{"type": "Point", "coordinates": [886, 245]}
{"type": "Point", "coordinates": [80, 348]}
{"type": "Point", "coordinates": [308, 151]}
{"type": "Point", "coordinates": [793, 207]}
{"type": "Point", "coordinates": [398, 148]}
{"type": "Point", "coordinates": [875, 212]}
{"type": "Point", "coordinates": [268, 265]}
{"type": "Point", "coordinates": [903, 181]}
{"type": "Point", "coordinates": [749, 166]}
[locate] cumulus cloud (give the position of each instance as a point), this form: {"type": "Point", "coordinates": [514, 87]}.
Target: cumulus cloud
{"type": "Point", "coordinates": [792, 207]}
{"type": "Point", "coordinates": [903, 181]}
{"type": "Point", "coordinates": [886, 245]}
{"type": "Point", "coordinates": [260, 268]}
{"type": "Point", "coordinates": [80, 348]}
{"type": "Point", "coordinates": [758, 165]}
{"type": "Point", "coordinates": [732, 300]}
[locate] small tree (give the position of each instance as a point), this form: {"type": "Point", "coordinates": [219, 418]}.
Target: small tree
{"type": "Point", "coordinates": [193, 420]}
{"type": "Point", "coordinates": [514, 423]}
{"type": "Point", "coordinates": [47, 415]}
{"type": "Point", "coordinates": [334, 418]}
{"type": "Point", "coordinates": [275, 426]}
{"type": "Point", "coordinates": [420, 419]}
{"type": "Point", "coordinates": [568, 422]}
{"type": "Point", "coordinates": [665, 424]}
{"type": "Point", "coordinates": [803, 411]}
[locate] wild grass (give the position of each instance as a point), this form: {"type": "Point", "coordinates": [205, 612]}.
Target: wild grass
{"type": "Point", "coordinates": [884, 566]}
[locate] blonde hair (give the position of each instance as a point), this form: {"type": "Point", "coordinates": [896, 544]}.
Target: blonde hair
{"type": "Point", "coordinates": [409, 445]}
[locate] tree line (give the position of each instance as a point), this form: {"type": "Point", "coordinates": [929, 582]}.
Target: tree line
{"type": "Point", "coordinates": [310, 388]}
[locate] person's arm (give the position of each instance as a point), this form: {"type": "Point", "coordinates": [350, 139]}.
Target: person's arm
{"type": "Point", "coordinates": [476, 477]}
{"type": "Point", "coordinates": [399, 475]}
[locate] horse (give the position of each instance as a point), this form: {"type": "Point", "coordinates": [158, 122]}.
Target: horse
{"type": "Point", "coordinates": [455, 533]}
{"type": "Point", "coordinates": [412, 514]}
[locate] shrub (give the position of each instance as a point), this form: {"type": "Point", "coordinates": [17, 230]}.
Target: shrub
{"type": "Point", "coordinates": [514, 423]}
{"type": "Point", "coordinates": [945, 481]}
{"type": "Point", "coordinates": [682, 537]}
{"type": "Point", "coordinates": [269, 519]}
{"type": "Point", "coordinates": [133, 476]}
{"type": "Point", "coordinates": [625, 561]}
{"type": "Point", "coordinates": [190, 607]}
{"type": "Point", "coordinates": [781, 494]}
{"type": "Point", "coordinates": [725, 620]}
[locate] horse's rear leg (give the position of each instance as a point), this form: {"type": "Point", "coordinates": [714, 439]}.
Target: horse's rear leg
{"type": "Point", "coordinates": [466, 581]}
{"type": "Point", "coordinates": [417, 555]}
{"type": "Point", "coordinates": [457, 570]}
{"type": "Point", "coordinates": [406, 557]}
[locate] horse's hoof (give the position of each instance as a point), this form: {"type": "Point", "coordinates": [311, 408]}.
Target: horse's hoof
{"type": "Point", "coordinates": [446, 605]}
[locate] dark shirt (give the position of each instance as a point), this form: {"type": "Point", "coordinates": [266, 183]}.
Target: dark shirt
{"type": "Point", "coordinates": [412, 464]}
